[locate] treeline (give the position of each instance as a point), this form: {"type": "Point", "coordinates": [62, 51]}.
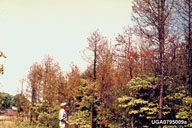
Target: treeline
{"type": "Point", "coordinates": [145, 74]}
{"type": "Point", "coordinates": [6, 101]}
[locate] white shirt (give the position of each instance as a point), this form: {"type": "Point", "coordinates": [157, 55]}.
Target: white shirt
{"type": "Point", "coordinates": [62, 115]}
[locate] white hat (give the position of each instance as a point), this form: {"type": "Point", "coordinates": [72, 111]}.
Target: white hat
{"type": "Point", "coordinates": [63, 104]}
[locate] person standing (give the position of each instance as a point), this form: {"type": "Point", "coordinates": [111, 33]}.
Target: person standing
{"type": "Point", "coordinates": [63, 116]}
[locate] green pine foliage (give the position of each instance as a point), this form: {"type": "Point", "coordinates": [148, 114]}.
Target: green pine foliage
{"type": "Point", "coordinates": [45, 114]}
{"type": "Point", "coordinates": [85, 96]}
{"type": "Point", "coordinates": [185, 111]}
{"type": "Point", "coordinates": [141, 100]}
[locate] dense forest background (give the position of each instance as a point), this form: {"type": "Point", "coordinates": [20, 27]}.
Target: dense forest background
{"type": "Point", "coordinates": [146, 74]}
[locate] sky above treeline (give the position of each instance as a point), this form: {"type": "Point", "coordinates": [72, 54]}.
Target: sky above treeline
{"type": "Point", "coordinates": [31, 29]}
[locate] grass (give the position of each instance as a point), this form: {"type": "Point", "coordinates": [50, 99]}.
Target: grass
{"type": "Point", "coordinates": [14, 122]}
{"type": "Point", "coordinates": [11, 124]}
{"type": "Point", "coordinates": [7, 124]}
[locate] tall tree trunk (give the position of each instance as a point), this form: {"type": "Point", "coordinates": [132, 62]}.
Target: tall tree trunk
{"type": "Point", "coordinates": [131, 72]}
{"type": "Point", "coordinates": [132, 118]}
{"type": "Point", "coordinates": [94, 79]}
{"type": "Point", "coordinates": [33, 100]}
{"type": "Point", "coordinates": [161, 29]}
{"type": "Point", "coordinates": [95, 62]}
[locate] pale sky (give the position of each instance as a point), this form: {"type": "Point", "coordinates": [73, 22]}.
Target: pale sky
{"type": "Point", "coordinates": [31, 29]}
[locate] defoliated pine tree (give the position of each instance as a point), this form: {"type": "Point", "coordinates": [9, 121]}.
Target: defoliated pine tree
{"type": "Point", "coordinates": [153, 18]}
